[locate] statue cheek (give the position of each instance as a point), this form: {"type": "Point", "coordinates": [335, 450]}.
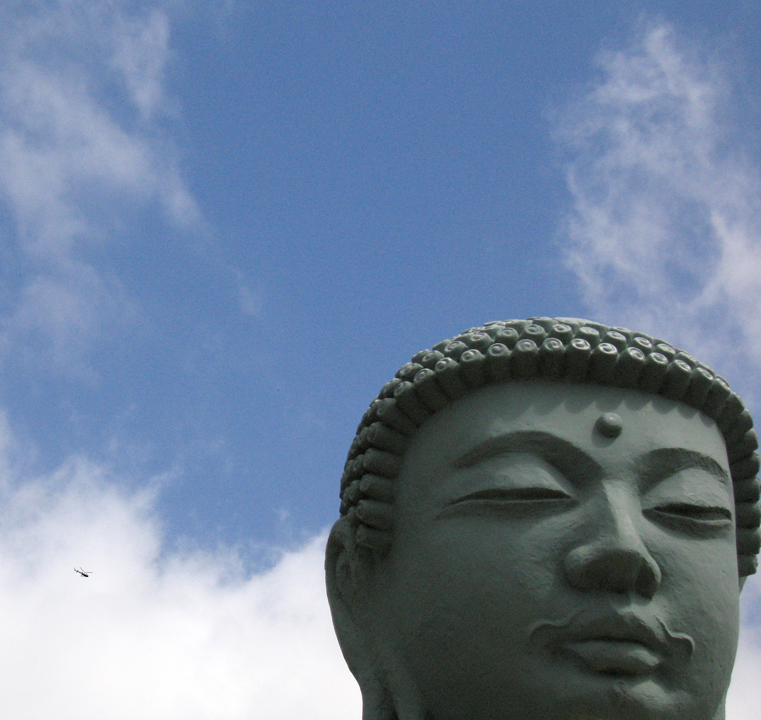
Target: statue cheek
{"type": "Point", "coordinates": [470, 589]}
{"type": "Point", "coordinates": [701, 600]}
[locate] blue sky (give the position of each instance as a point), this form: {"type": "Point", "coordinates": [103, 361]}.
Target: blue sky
{"type": "Point", "coordinates": [224, 225]}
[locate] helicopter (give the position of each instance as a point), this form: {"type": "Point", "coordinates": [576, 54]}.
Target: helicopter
{"type": "Point", "coordinates": [83, 573]}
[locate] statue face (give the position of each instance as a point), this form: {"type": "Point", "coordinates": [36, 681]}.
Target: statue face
{"type": "Point", "coordinates": [553, 561]}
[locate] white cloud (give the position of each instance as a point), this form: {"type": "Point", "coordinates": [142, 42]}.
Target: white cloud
{"type": "Point", "coordinates": [81, 146]}
{"type": "Point", "coordinates": [664, 228]}
{"type": "Point", "coordinates": [153, 633]}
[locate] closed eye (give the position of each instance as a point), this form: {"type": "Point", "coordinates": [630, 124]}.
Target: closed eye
{"type": "Point", "coordinates": [694, 512]}
{"type": "Point", "coordinates": [694, 520]}
{"type": "Point", "coordinates": [519, 494]}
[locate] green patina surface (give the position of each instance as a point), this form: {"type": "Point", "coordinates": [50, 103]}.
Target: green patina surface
{"type": "Point", "coordinates": [530, 535]}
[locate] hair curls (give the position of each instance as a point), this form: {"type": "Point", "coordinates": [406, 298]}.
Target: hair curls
{"type": "Point", "coordinates": [563, 349]}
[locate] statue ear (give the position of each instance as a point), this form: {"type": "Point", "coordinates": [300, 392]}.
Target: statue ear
{"type": "Point", "coordinates": [348, 565]}
{"type": "Point", "coordinates": [387, 691]}
{"type": "Point", "coordinates": [348, 575]}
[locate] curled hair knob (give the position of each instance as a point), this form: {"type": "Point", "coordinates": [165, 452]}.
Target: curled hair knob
{"type": "Point", "coordinates": [428, 358]}
{"type": "Point", "coordinates": [676, 380]}
{"type": "Point", "coordinates": [743, 422]}
{"type": "Point", "coordinates": [377, 487]}
{"type": "Point", "coordinates": [653, 373]}
{"type": "Point", "coordinates": [732, 408]}
{"type": "Point", "coordinates": [628, 334]}
{"type": "Point", "coordinates": [498, 362]}
{"type": "Point", "coordinates": [383, 437]}
{"type": "Point", "coordinates": [455, 349]}
{"type": "Point", "coordinates": [748, 490]}
{"type": "Point", "coordinates": [590, 334]}
{"type": "Point", "coordinates": [517, 325]}
{"type": "Point", "coordinates": [602, 362]}
{"type": "Point", "coordinates": [352, 493]}
{"type": "Point", "coordinates": [748, 515]}
{"type": "Point", "coordinates": [472, 367]}
{"type": "Point", "coordinates": [448, 374]}
{"type": "Point", "coordinates": [476, 340]}
{"type": "Point", "coordinates": [535, 332]}
{"type": "Point", "coordinates": [380, 462]}
{"type": "Point", "coordinates": [642, 343]}
{"type": "Point", "coordinates": [629, 365]}
{"type": "Point", "coordinates": [409, 403]}
{"type": "Point", "coordinates": [716, 398]}
{"type": "Point", "coordinates": [748, 541]}
{"type": "Point", "coordinates": [508, 337]}
{"type": "Point", "coordinates": [562, 332]}
{"type": "Point", "coordinates": [551, 357]}
{"type": "Point", "coordinates": [389, 413]}
{"type": "Point", "coordinates": [376, 513]}
{"type": "Point", "coordinates": [700, 383]}
{"type": "Point", "coordinates": [429, 391]}
{"type": "Point", "coordinates": [617, 339]}
{"type": "Point", "coordinates": [544, 322]}
{"type": "Point", "coordinates": [371, 414]}
{"type": "Point", "coordinates": [387, 391]}
{"type": "Point", "coordinates": [738, 450]}
{"type": "Point", "coordinates": [408, 371]}
{"type": "Point", "coordinates": [577, 353]}
{"type": "Point", "coordinates": [746, 468]}
{"type": "Point", "coordinates": [524, 364]}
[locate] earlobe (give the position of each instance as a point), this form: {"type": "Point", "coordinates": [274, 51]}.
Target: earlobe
{"type": "Point", "coordinates": [347, 576]}
{"type": "Point", "coordinates": [387, 692]}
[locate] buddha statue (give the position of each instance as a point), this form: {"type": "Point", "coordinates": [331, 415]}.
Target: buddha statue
{"type": "Point", "coordinates": [546, 519]}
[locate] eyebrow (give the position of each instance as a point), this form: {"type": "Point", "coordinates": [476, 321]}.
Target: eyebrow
{"type": "Point", "coordinates": [560, 453]}
{"type": "Point", "coordinates": [653, 467]}
{"type": "Point", "coordinates": [664, 462]}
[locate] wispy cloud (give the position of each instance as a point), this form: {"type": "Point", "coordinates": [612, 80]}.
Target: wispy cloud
{"type": "Point", "coordinates": [250, 299]}
{"type": "Point", "coordinates": [664, 227]}
{"type": "Point", "coordinates": [153, 633]}
{"type": "Point", "coordinates": [81, 147]}
{"type": "Point", "coordinates": [140, 57]}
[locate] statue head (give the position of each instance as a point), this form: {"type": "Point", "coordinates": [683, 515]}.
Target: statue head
{"type": "Point", "coordinates": [546, 519]}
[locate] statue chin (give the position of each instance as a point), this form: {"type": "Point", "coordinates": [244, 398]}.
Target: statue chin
{"type": "Point", "coordinates": [536, 548]}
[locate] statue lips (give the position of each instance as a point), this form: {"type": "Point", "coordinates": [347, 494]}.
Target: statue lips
{"type": "Point", "coordinates": [616, 644]}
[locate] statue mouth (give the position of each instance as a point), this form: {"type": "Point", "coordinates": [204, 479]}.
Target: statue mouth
{"type": "Point", "coordinates": [613, 643]}
{"type": "Point", "coordinates": [615, 657]}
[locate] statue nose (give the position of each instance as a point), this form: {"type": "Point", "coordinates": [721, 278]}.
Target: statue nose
{"type": "Point", "coordinates": [614, 559]}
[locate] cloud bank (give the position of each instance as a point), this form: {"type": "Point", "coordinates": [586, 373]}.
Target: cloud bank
{"type": "Point", "coordinates": [154, 634]}
{"type": "Point", "coordinates": [664, 227]}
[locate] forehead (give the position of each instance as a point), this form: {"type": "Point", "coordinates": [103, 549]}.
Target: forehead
{"type": "Point", "coordinates": [567, 411]}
